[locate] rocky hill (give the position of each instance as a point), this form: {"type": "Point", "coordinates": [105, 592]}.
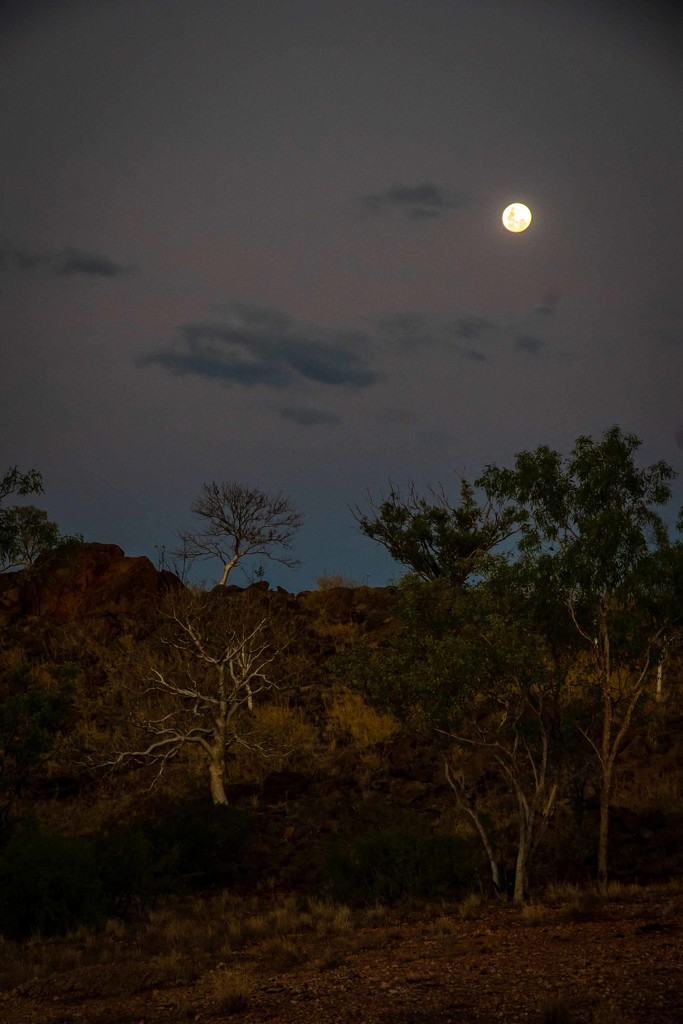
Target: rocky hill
{"type": "Point", "coordinates": [351, 770]}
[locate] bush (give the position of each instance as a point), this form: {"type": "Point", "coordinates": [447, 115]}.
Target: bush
{"type": "Point", "coordinates": [49, 884]}
{"type": "Point", "coordinates": [392, 865]}
{"type": "Point", "coordinates": [133, 872]}
{"type": "Point", "coordinates": [204, 844]}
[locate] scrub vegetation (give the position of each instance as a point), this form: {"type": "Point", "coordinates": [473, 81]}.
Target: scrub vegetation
{"type": "Point", "coordinates": [241, 783]}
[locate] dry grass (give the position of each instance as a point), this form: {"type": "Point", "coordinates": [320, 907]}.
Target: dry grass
{"type": "Point", "coordinates": [470, 907]}
{"type": "Point", "coordinates": [182, 931]}
{"type": "Point", "coordinates": [535, 914]}
{"type": "Point", "coordinates": [231, 990]}
{"type": "Point", "coordinates": [250, 939]}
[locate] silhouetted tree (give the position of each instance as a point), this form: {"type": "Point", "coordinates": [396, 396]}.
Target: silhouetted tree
{"type": "Point", "coordinates": [239, 522]}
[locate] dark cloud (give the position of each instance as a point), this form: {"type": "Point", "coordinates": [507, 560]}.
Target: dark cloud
{"type": "Point", "coordinates": [424, 200]}
{"type": "Point", "coordinates": [472, 327]}
{"type": "Point", "coordinates": [528, 343]}
{"type": "Point", "coordinates": [254, 346]}
{"type": "Point", "coordinates": [75, 261]}
{"type": "Point", "coordinates": [309, 417]}
{"type": "Point", "coordinates": [67, 262]}
{"type": "Point", "coordinates": [407, 328]}
{"type": "Point", "coordinates": [471, 353]}
{"type": "Point", "coordinates": [413, 329]}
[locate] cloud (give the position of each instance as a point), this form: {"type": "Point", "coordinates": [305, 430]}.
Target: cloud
{"type": "Point", "coordinates": [473, 327]}
{"type": "Point", "coordinates": [528, 343]}
{"type": "Point", "coordinates": [471, 353]}
{"type": "Point", "coordinates": [308, 417]}
{"type": "Point", "coordinates": [75, 261]}
{"type": "Point", "coordinates": [424, 200]}
{"type": "Point", "coordinates": [66, 262]}
{"type": "Point", "coordinates": [412, 330]}
{"type": "Point", "coordinates": [258, 346]}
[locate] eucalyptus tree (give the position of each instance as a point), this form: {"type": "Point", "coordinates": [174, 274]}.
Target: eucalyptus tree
{"type": "Point", "coordinates": [475, 666]}
{"type": "Point", "coordinates": [191, 687]}
{"type": "Point", "coordinates": [434, 537]}
{"type": "Point", "coordinates": [239, 522]}
{"type": "Point", "coordinates": [592, 523]}
{"type": "Point", "coordinates": [14, 482]}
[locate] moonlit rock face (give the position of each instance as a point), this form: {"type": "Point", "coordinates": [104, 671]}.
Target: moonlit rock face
{"type": "Point", "coordinates": [516, 217]}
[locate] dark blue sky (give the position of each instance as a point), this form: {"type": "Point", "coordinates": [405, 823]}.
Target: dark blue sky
{"type": "Point", "coordinates": [260, 240]}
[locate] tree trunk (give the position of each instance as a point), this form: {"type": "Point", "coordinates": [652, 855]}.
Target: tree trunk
{"type": "Point", "coordinates": [226, 571]}
{"type": "Point", "coordinates": [523, 844]}
{"type": "Point", "coordinates": [217, 776]}
{"type": "Point", "coordinates": [464, 801]}
{"type": "Point", "coordinates": [606, 755]}
{"type": "Point", "coordinates": [603, 838]}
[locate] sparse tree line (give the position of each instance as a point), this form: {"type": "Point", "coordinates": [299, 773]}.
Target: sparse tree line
{"type": "Point", "coordinates": [533, 624]}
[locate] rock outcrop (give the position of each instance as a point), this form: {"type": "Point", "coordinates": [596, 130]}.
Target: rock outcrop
{"type": "Point", "coordinates": [92, 579]}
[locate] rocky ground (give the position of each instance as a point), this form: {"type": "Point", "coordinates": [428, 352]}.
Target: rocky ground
{"type": "Point", "coordinates": [573, 960]}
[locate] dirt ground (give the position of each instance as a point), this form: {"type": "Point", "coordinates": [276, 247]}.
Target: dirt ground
{"type": "Point", "coordinates": [619, 961]}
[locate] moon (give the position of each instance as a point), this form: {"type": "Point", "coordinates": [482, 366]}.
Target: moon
{"type": "Point", "coordinates": [516, 217]}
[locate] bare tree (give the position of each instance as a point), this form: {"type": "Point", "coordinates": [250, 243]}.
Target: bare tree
{"type": "Point", "coordinates": [218, 655]}
{"type": "Point", "coordinates": [240, 522]}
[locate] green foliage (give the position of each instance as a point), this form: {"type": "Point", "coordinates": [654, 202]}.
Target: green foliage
{"type": "Point", "coordinates": [591, 520]}
{"type": "Point", "coordinates": [25, 531]}
{"type": "Point", "coordinates": [391, 865]}
{"type": "Point", "coordinates": [14, 482]}
{"type": "Point", "coordinates": [49, 884]}
{"type": "Point", "coordinates": [31, 715]}
{"type": "Point", "coordinates": [435, 539]}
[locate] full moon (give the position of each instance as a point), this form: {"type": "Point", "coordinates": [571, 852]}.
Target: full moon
{"type": "Point", "coordinates": [517, 217]}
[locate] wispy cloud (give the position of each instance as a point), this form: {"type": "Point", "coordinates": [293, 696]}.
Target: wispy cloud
{"type": "Point", "coordinates": [250, 346]}
{"type": "Point", "coordinates": [411, 330]}
{"type": "Point", "coordinates": [75, 261]}
{"type": "Point", "coordinates": [307, 417]}
{"type": "Point", "coordinates": [423, 200]}
{"type": "Point", "coordinates": [65, 262]}
{"type": "Point", "coordinates": [529, 343]}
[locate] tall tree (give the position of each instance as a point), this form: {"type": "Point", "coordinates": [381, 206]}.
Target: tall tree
{"type": "Point", "coordinates": [29, 534]}
{"type": "Point", "coordinates": [592, 522]}
{"type": "Point", "coordinates": [14, 482]}
{"type": "Point", "coordinates": [476, 668]}
{"type": "Point", "coordinates": [434, 537]}
{"type": "Point", "coordinates": [239, 522]}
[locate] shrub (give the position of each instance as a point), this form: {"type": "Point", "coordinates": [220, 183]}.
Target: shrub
{"type": "Point", "coordinates": [392, 865]}
{"type": "Point", "coordinates": [208, 844]}
{"type": "Point", "coordinates": [49, 884]}
{"type": "Point", "coordinates": [133, 870]}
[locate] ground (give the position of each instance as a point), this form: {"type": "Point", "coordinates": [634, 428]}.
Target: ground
{"type": "Point", "coordinates": [573, 959]}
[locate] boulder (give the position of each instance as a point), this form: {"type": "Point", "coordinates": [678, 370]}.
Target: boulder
{"type": "Point", "coordinates": [92, 579]}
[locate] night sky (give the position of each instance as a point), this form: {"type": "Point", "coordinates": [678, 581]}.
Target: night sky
{"type": "Point", "coordinates": [261, 240]}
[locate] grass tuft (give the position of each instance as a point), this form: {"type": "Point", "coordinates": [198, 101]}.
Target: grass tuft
{"type": "Point", "coordinates": [231, 990]}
